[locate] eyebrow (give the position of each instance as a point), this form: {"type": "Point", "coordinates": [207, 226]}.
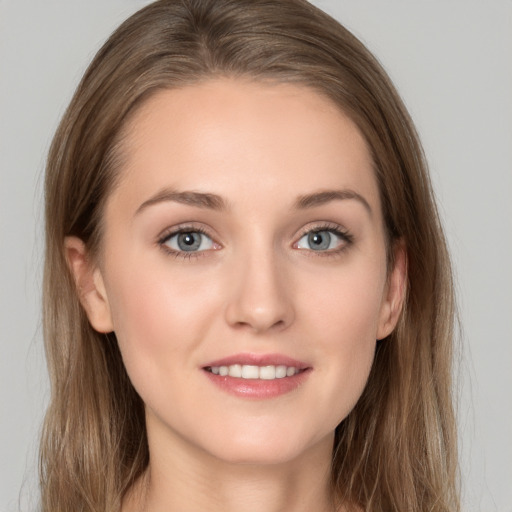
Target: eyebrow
{"type": "Point", "coordinates": [191, 198]}
{"type": "Point", "coordinates": [216, 202]}
{"type": "Point", "coordinates": [326, 196]}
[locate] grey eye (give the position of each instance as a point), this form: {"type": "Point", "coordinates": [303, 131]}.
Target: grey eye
{"type": "Point", "coordinates": [319, 241]}
{"type": "Point", "coordinates": [190, 241]}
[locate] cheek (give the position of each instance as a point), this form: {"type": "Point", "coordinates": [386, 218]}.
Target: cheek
{"type": "Point", "coordinates": [345, 303]}
{"type": "Point", "coordinates": [344, 312]}
{"type": "Point", "coordinates": [156, 320]}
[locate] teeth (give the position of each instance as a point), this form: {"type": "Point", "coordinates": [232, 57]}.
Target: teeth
{"type": "Point", "coordinates": [267, 372]}
{"type": "Point", "coordinates": [248, 371]}
{"type": "Point", "coordinates": [281, 372]}
{"type": "Point", "coordinates": [235, 370]}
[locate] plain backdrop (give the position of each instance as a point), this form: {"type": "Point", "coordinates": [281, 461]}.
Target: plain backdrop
{"type": "Point", "coordinates": [452, 62]}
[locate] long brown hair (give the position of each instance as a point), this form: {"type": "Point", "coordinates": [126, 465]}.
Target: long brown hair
{"type": "Point", "coordinates": [397, 449]}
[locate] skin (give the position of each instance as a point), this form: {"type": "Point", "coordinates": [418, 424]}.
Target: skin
{"type": "Point", "coordinates": [257, 287]}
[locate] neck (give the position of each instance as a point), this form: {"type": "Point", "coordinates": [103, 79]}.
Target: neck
{"type": "Point", "coordinates": [188, 480]}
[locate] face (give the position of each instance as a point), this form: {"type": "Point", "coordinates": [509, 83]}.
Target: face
{"type": "Point", "coordinates": [243, 269]}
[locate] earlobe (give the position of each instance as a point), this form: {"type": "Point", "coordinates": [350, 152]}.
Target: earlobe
{"type": "Point", "coordinates": [395, 293]}
{"type": "Point", "coordinates": [90, 285]}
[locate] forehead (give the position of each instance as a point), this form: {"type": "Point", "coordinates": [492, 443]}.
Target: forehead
{"type": "Point", "coordinates": [239, 137]}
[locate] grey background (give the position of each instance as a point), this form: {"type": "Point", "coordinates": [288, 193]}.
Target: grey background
{"type": "Point", "coordinates": [452, 62]}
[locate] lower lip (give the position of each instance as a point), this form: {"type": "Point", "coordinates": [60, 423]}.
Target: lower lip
{"type": "Point", "coordinates": [258, 388]}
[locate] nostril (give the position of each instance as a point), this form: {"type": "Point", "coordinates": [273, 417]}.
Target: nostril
{"type": "Point", "coordinates": [279, 323]}
{"type": "Point", "coordinates": [260, 326]}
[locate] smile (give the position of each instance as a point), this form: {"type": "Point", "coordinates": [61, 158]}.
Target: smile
{"type": "Point", "coordinates": [246, 371]}
{"type": "Point", "coordinates": [257, 376]}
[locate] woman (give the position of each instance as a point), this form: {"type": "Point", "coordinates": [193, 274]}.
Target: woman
{"type": "Point", "coordinates": [248, 299]}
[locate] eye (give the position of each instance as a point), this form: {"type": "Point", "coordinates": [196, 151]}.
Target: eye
{"type": "Point", "coordinates": [188, 241]}
{"type": "Point", "coordinates": [323, 240]}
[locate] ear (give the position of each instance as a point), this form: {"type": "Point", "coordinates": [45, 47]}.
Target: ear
{"type": "Point", "coordinates": [89, 283]}
{"type": "Point", "coordinates": [395, 292]}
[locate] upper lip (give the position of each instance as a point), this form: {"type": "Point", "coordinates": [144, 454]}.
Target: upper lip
{"type": "Point", "coordinates": [258, 360]}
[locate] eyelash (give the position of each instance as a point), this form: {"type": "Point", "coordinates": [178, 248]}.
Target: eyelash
{"type": "Point", "coordinates": [346, 237]}
{"type": "Point", "coordinates": [167, 235]}
{"type": "Point", "coordinates": [335, 229]}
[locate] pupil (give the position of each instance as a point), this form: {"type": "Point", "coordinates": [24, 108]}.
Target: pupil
{"type": "Point", "coordinates": [189, 241]}
{"type": "Point", "coordinates": [320, 240]}
{"type": "Point", "coordinates": [317, 239]}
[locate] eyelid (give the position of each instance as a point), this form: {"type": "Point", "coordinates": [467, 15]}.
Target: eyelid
{"type": "Point", "coordinates": [181, 228]}
{"type": "Point", "coordinates": [338, 230]}
{"type": "Point", "coordinates": [324, 226]}
{"type": "Point", "coordinates": [170, 232]}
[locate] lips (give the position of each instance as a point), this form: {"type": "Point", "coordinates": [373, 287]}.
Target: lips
{"type": "Point", "coordinates": [249, 371]}
{"type": "Point", "coordinates": [257, 375]}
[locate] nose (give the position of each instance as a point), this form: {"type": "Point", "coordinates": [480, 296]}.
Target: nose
{"type": "Point", "coordinates": [261, 294]}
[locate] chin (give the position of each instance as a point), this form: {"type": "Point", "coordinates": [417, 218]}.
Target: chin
{"type": "Point", "coordinates": [267, 450]}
